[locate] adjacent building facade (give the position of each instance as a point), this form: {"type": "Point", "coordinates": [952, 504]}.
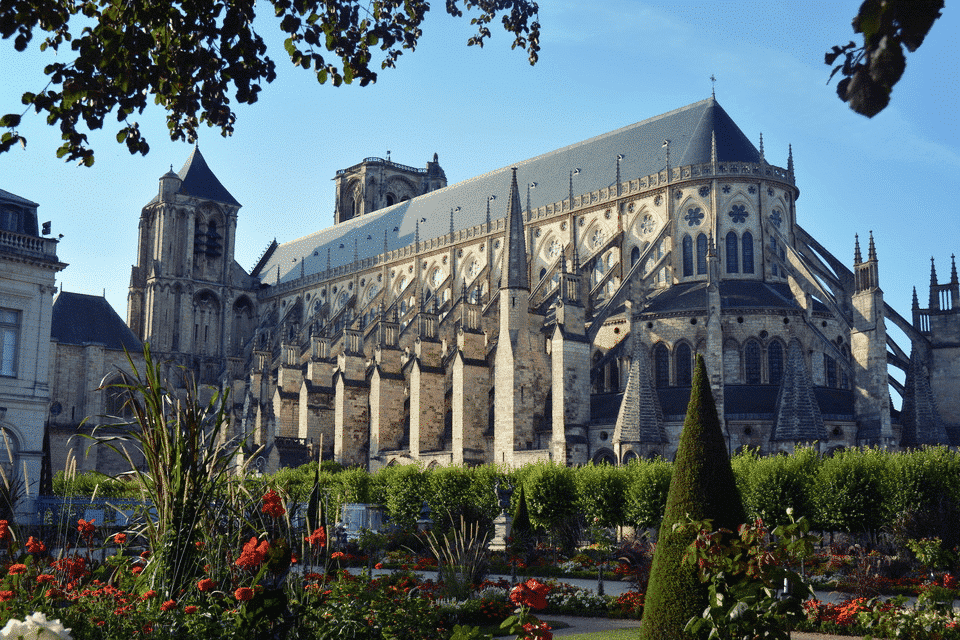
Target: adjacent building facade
{"type": "Point", "coordinates": [549, 310]}
{"type": "Point", "coordinates": [28, 268]}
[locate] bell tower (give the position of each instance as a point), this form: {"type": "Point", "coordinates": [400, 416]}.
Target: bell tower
{"type": "Point", "coordinates": [182, 287]}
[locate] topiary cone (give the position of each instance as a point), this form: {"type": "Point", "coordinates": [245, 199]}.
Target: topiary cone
{"type": "Point", "coordinates": [702, 487]}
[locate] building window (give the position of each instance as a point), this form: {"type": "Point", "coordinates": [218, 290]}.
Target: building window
{"type": "Point", "coordinates": [634, 255]}
{"type": "Point", "coordinates": [830, 371]}
{"type": "Point", "coordinates": [661, 366]}
{"type": "Point", "coordinates": [684, 368]}
{"type": "Point", "coordinates": [687, 256]}
{"type": "Point", "coordinates": [701, 254]}
{"type": "Point", "coordinates": [9, 341]}
{"type": "Point", "coordinates": [747, 242]}
{"type": "Point", "coordinates": [775, 362]}
{"type": "Point", "coordinates": [751, 358]}
{"type": "Point", "coordinates": [733, 263]}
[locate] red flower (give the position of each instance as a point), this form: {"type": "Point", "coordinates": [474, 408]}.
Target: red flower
{"type": "Point", "coordinates": [272, 505]}
{"type": "Point", "coordinates": [243, 594]}
{"type": "Point", "coordinates": [253, 554]}
{"type": "Point", "coordinates": [86, 528]}
{"type": "Point", "coordinates": [17, 569]}
{"type": "Point", "coordinates": [120, 538]}
{"type": "Point", "coordinates": [531, 593]}
{"type": "Point", "coordinates": [168, 605]}
{"type": "Point", "coordinates": [206, 585]}
{"type": "Point", "coordinates": [379, 565]}
{"type": "Point", "coordinates": [45, 578]}
{"type": "Point", "coordinates": [4, 530]}
{"type": "Point", "coordinates": [35, 546]}
{"type": "Point", "coordinates": [190, 609]}
{"type": "Point", "coordinates": [318, 538]}
{"type": "Point", "coordinates": [137, 570]}
{"type": "Point", "coordinates": [950, 581]}
{"type": "Point", "coordinates": [149, 594]}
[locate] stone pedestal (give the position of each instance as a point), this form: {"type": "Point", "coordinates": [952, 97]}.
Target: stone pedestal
{"type": "Point", "coordinates": [502, 527]}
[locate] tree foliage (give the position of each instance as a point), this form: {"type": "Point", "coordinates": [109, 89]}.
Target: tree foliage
{"type": "Point", "coordinates": [189, 56]}
{"type": "Point", "coordinates": [871, 70]}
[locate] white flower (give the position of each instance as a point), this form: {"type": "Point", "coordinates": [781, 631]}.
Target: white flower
{"type": "Point", "coordinates": [35, 627]}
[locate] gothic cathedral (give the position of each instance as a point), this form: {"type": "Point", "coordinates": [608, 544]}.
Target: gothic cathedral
{"type": "Point", "coordinates": [546, 311]}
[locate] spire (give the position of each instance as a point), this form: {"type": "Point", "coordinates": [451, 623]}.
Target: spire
{"type": "Point", "coordinates": [356, 253]}
{"type": "Point", "coordinates": [301, 268]}
{"type": "Point", "coordinates": [934, 297]}
{"type": "Point", "coordinates": [762, 159]}
{"type": "Point", "coordinates": [619, 158]}
{"type": "Point", "coordinates": [953, 269]}
{"type": "Point", "coordinates": [790, 159]}
{"type": "Point", "coordinates": [916, 301]}
{"type": "Point", "coordinates": [713, 146]}
{"type": "Point", "coordinates": [640, 418]}
{"type": "Point", "coordinates": [514, 270]}
{"type": "Point", "coordinates": [451, 220]}
{"type": "Point", "coordinates": [857, 258]}
{"type": "Point", "coordinates": [571, 190]}
{"type": "Point", "coordinates": [416, 237]}
{"type": "Point", "coordinates": [384, 242]}
{"type": "Point", "coordinates": [328, 258]}
{"type": "Point", "coordinates": [798, 416]}
{"type": "Point", "coordinates": [872, 251]}
{"type": "Point", "coordinates": [488, 214]}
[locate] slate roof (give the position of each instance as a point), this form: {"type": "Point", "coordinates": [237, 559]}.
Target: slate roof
{"type": "Point", "coordinates": [640, 418]}
{"type": "Point", "coordinates": [741, 402]}
{"type": "Point", "coordinates": [83, 319]}
{"type": "Point", "coordinates": [734, 294]}
{"type": "Point", "coordinates": [798, 412]}
{"type": "Point", "coordinates": [919, 416]}
{"type": "Point", "coordinates": [6, 196]}
{"type": "Point", "coordinates": [198, 181]}
{"type": "Point", "coordinates": [689, 129]}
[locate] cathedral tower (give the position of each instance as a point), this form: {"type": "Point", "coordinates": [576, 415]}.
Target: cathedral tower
{"type": "Point", "coordinates": [185, 294]}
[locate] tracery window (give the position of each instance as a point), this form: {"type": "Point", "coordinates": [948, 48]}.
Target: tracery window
{"type": "Point", "coordinates": [687, 256]}
{"type": "Point", "coordinates": [747, 242]}
{"type": "Point", "coordinates": [684, 368]}
{"type": "Point", "coordinates": [661, 366]}
{"type": "Point", "coordinates": [701, 254]}
{"type": "Point", "coordinates": [733, 263]}
{"type": "Point", "coordinates": [634, 255]}
{"type": "Point", "coordinates": [751, 361]}
{"type": "Point", "coordinates": [775, 362]}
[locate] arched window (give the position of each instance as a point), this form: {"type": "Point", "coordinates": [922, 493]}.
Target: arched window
{"type": "Point", "coordinates": [661, 366]}
{"type": "Point", "coordinates": [543, 272]}
{"type": "Point", "coordinates": [733, 264]}
{"type": "Point", "coordinates": [634, 255]}
{"type": "Point", "coordinates": [613, 376]}
{"type": "Point", "coordinates": [687, 256]}
{"type": "Point", "coordinates": [684, 362]}
{"type": "Point", "coordinates": [775, 362]}
{"type": "Point", "coordinates": [751, 361]}
{"type": "Point", "coordinates": [830, 371]}
{"type": "Point", "coordinates": [747, 241]}
{"type": "Point", "coordinates": [391, 199]}
{"type": "Point", "coordinates": [774, 268]}
{"type": "Point", "coordinates": [701, 254]}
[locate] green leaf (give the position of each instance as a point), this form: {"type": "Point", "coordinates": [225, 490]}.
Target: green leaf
{"type": "Point", "coordinates": [10, 120]}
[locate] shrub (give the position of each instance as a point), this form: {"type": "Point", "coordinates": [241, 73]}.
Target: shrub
{"type": "Point", "coordinates": [646, 492]}
{"type": "Point", "coordinates": [702, 488]}
{"type": "Point", "coordinates": [601, 492]}
{"type": "Point", "coordinates": [848, 491]}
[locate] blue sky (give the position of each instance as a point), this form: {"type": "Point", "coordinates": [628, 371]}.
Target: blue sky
{"type": "Point", "coordinates": [601, 68]}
